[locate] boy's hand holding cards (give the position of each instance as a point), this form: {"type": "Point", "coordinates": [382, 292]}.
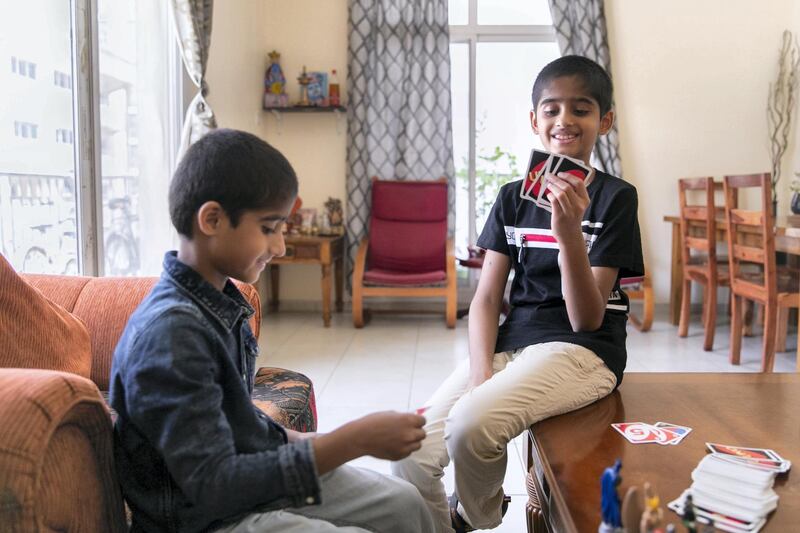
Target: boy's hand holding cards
{"type": "Point", "coordinates": [541, 163]}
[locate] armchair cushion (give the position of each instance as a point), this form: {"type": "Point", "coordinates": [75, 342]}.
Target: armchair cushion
{"type": "Point", "coordinates": [379, 276]}
{"type": "Point", "coordinates": [38, 333]}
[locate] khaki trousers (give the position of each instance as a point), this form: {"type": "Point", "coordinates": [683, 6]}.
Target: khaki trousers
{"type": "Point", "coordinates": [473, 427]}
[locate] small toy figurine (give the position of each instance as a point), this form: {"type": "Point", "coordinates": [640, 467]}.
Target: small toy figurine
{"type": "Point", "coordinates": [335, 217]}
{"type": "Point", "coordinates": [304, 79]}
{"type": "Point", "coordinates": [275, 83]}
{"type": "Point", "coordinates": [632, 510]}
{"type": "Point", "coordinates": [688, 518]}
{"type": "Point", "coordinates": [653, 515]}
{"type": "Point", "coordinates": [610, 499]}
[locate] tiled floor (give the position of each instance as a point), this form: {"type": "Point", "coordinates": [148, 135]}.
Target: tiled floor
{"type": "Point", "coordinates": [397, 361]}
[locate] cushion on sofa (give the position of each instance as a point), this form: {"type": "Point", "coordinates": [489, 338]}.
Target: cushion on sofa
{"type": "Point", "coordinates": [287, 397]}
{"type": "Point", "coordinates": [35, 332]}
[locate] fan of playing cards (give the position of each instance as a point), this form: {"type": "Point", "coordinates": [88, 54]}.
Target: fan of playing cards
{"type": "Point", "coordinates": [541, 163]}
{"type": "Point", "coordinates": [733, 487]}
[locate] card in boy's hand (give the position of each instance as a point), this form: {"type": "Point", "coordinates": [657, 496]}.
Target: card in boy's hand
{"type": "Point", "coordinates": [536, 167]}
{"type": "Point", "coordinates": [575, 167]}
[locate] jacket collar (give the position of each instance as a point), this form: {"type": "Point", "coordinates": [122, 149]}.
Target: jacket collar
{"type": "Point", "coordinates": [227, 306]}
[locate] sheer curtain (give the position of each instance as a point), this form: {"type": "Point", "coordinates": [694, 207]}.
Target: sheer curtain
{"type": "Point", "coordinates": [399, 121]}
{"type": "Point", "coordinates": [581, 29]}
{"type": "Point", "coordinates": [193, 27]}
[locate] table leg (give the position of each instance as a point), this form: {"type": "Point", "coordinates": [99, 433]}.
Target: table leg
{"type": "Point", "coordinates": [676, 277]}
{"type": "Point", "coordinates": [339, 273]}
{"type": "Point", "coordinates": [326, 295]}
{"type": "Point", "coordinates": [275, 283]}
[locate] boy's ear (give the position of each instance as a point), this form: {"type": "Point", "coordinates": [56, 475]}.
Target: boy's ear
{"type": "Point", "coordinates": [210, 218]}
{"type": "Point", "coordinates": [606, 122]}
{"type": "Point", "coordinates": [534, 124]}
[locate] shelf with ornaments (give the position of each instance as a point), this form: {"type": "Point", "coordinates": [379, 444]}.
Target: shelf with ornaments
{"type": "Point", "coordinates": [317, 95]}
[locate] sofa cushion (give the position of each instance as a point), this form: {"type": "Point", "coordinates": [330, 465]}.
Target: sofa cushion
{"type": "Point", "coordinates": [38, 333]}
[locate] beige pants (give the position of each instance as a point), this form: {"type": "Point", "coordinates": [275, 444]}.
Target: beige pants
{"type": "Point", "coordinates": [474, 426]}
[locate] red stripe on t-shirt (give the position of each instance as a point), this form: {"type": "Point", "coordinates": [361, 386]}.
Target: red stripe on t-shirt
{"type": "Point", "coordinates": [539, 238]}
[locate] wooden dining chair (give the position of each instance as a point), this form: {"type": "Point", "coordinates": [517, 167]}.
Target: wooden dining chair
{"type": "Point", "coordinates": [699, 254]}
{"type": "Point", "coordinates": [751, 241]}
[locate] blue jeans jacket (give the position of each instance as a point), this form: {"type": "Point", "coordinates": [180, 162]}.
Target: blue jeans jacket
{"type": "Point", "coordinates": [191, 449]}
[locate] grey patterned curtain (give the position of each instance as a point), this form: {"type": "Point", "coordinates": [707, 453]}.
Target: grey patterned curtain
{"type": "Point", "coordinates": [399, 123]}
{"type": "Point", "coordinates": [193, 28]}
{"type": "Point", "coordinates": [581, 29]}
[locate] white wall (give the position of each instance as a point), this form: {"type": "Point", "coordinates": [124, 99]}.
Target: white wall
{"type": "Point", "coordinates": [306, 32]}
{"type": "Point", "coordinates": [691, 82]}
{"type": "Point", "coordinates": [691, 89]}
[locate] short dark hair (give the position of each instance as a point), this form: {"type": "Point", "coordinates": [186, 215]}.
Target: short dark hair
{"type": "Point", "coordinates": [234, 168]}
{"type": "Point", "coordinates": [595, 78]}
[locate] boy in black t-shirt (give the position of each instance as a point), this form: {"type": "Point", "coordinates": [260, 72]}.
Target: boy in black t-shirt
{"type": "Point", "coordinates": [563, 344]}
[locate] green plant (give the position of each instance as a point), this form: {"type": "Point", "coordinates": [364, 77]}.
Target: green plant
{"type": "Point", "coordinates": [492, 170]}
{"type": "Point", "coordinates": [795, 185]}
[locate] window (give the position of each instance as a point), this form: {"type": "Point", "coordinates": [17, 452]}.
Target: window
{"type": "Point", "coordinates": [496, 49]}
{"type": "Point", "coordinates": [62, 79]}
{"type": "Point", "coordinates": [67, 204]}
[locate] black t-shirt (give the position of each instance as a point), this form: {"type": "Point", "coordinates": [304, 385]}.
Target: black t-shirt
{"type": "Point", "coordinates": [518, 228]}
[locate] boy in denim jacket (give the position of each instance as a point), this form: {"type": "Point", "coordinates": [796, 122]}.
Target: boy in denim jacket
{"type": "Point", "coordinates": [193, 452]}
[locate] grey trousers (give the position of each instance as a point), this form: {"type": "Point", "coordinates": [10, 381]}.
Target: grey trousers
{"type": "Point", "coordinates": [354, 500]}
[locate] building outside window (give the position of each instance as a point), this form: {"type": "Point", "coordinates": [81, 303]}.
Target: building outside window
{"type": "Point", "coordinates": [47, 220]}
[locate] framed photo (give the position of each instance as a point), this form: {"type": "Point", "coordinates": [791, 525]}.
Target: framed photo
{"type": "Point", "coordinates": [318, 88]}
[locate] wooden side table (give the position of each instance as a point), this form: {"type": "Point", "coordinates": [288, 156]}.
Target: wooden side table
{"type": "Point", "coordinates": [304, 250]}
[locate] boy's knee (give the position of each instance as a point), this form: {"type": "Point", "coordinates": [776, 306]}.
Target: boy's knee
{"type": "Point", "coordinates": [406, 501]}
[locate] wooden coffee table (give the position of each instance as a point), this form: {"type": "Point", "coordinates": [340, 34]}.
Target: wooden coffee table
{"type": "Point", "coordinates": [567, 454]}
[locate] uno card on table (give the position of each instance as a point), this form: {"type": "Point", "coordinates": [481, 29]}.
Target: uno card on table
{"type": "Point", "coordinates": [659, 433]}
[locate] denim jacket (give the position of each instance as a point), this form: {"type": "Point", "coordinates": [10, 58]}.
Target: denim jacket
{"type": "Point", "coordinates": [192, 451]}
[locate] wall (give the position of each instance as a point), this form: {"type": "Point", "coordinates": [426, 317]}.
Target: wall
{"type": "Point", "coordinates": [306, 32]}
{"type": "Point", "coordinates": [691, 82]}
{"type": "Point", "coordinates": [691, 90]}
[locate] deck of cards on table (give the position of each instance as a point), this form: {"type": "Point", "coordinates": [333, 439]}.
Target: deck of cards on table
{"type": "Point", "coordinates": [658, 433]}
{"type": "Point", "coordinates": [542, 163]}
{"type": "Point", "coordinates": [732, 487]}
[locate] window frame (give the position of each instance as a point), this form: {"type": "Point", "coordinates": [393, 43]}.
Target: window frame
{"type": "Point", "coordinates": [473, 33]}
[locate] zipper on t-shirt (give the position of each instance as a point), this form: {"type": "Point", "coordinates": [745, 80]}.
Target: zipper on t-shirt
{"type": "Point", "coordinates": [522, 240]}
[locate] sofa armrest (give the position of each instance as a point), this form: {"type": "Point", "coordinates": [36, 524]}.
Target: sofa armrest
{"type": "Point", "coordinates": [287, 397]}
{"type": "Point", "coordinates": [56, 457]}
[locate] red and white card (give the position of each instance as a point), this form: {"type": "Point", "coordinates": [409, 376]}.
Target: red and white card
{"type": "Point", "coordinates": [659, 433]}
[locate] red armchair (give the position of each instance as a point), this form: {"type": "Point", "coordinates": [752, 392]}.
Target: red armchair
{"type": "Point", "coordinates": [408, 253]}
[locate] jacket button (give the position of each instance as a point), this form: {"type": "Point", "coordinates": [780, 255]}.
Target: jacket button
{"type": "Point", "coordinates": [310, 500]}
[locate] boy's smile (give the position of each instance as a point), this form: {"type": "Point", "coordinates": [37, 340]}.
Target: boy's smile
{"type": "Point", "coordinates": [567, 119]}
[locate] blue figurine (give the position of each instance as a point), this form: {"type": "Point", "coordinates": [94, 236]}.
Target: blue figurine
{"type": "Point", "coordinates": [610, 504]}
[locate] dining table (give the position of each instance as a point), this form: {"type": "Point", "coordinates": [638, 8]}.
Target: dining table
{"type": "Point", "coordinates": [787, 240]}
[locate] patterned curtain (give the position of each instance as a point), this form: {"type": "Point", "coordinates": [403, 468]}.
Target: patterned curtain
{"type": "Point", "coordinates": [193, 28]}
{"type": "Point", "coordinates": [581, 29]}
{"type": "Point", "coordinates": [399, 123]}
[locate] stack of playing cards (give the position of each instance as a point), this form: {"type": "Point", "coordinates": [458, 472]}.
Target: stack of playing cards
{"type": "Point", "coordinates": [541, 163]}
{"type": "Point", "coordinates": [658, 433]}
{"type": "Point", "coordinates": [733, 487]}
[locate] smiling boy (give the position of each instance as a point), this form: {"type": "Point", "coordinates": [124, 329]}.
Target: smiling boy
{"type": "Point", "coordinates": [563, 344]}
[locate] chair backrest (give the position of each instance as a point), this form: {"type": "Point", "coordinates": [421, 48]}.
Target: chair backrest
{"type": "Point", "coordinates": [751, 238]}
{"type": "Point", "coordinates": [408, 225]}
{"type": "Point", "coordinates": [698, 224]}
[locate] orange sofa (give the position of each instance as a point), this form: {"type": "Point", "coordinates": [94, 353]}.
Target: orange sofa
{"type": "Point", "coordinates": [56, 458]}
